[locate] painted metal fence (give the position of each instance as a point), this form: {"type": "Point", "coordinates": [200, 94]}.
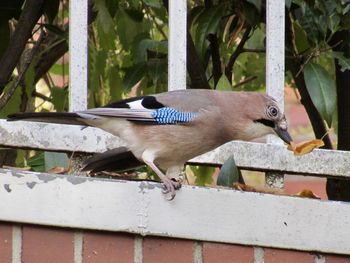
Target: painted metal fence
{"type": "Point", "coordinates": [139, 207]}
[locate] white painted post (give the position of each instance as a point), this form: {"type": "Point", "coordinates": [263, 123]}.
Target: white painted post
{"type": "Point", "coordinates": [177, 44]}
{"type": "Point", "coordinates": [275, 13]}
{"type": "Point", "coordinates": [275, 53]}
{"type": "Point", "coordinates": [78, 51]}
{"type": "Point", "coordinates": [78, 65]}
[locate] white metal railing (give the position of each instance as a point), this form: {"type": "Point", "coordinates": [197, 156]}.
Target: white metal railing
{"type": "Point", "coordinates": [78, 52]}
{"type": "Point", "coordinates": [140, 207]}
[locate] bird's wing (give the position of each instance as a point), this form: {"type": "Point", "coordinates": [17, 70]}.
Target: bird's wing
{"type": "Point", "coordinates": [165, 108]}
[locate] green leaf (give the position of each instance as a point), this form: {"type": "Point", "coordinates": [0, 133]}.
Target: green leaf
{"type": "Point", "coordinates": [157, 69]}
{"type": "Point", "coordinates": [45, 161]}
{"type": "Point", "coordinates": [224, 84]}
{"type": "Point", "coordinates": [301, 41]}
{"type": "Point", "coordinates": [134, 74]}
{"type": "Point", "coordinates": [256, 3]}
{"type": "Point", "coordinates": [146, 45]}
{"type": "Point", "coordinates": [59, 98]}
{"type": "Point", "coordinates": [57, 30]}
{"type": "Point", "coordinates": [251, 13]}
{"type": "Point", "coordinates": [55, 159]}
{"type": "Point", "coordinates": [115, 84]}
{"type": "Point", "coordinates": [343, 61]}
{"type": "Point", "coordinates": [309, 22]}
{"type": "Point", "coordinates": [29, 80]}
{"type": "Point", "coordinates": [60, 69]}
{"type": "Point", "coordinates": [288, 3]}
{"type": "Point", "coordinates": [153, 3]}
{"type": "Point", "coordinates": [322, 90]}
{"type": "Point", "coordinates": [13, 105]}
{"type": "Point", "coordinates": [129, 26]}
{"type": "Point", "coordinates": [106, 37]}
{"type": "Point", "coordinates": [229, 173]}
{"type": "Point", "coordinates": [208, 23]}
{"type": "Point", "coordinates": [104, 18]}
{"type": "Point", "coordinates": [203, 174]}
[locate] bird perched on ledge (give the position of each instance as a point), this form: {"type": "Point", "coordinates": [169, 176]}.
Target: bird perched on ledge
{"type": "Point", "coordinates": [166, 130]}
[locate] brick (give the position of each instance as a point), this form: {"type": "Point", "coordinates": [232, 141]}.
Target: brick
{"type": "Point", "coordinates": [287, 256]}
{"type": "Point", "coordinates": [43, 244]}
{"type": "Point", "coordinates": [5, 243]}
{"type": "Point", "coordinates": [337, 259]}
{"type": "Point", "coordinates": [294, 184]}
{"type": "Point", "coordinates": [167, 250]}
{"type": "Point", "coordinates": [108, 247]}
{"type": "Point", "coordinates": [225, 253]}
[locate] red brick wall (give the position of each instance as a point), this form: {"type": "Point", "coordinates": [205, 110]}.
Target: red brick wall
{"type": "Point", "coordinates": [50, 245]}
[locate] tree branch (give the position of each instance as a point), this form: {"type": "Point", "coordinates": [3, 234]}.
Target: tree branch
{"type": "Point", "coordinates": [27, 20]}
{"type": "Point", "coordinates": [245, 81]}
{"type": "Point", "coordinates": [340, 189]}
{"type": "Point", "coordinates": [257, 50]}
{"type": "Point", "coordinates": [7, 96]}
{"type": "Point", "coordinates": [195, 67]}
{"type": "Point", "coordinates": [215, 57]}
{"type": "Point", "coordinates": [294, 63]}
{"type": "Point", "coordinates": [50, 56]}
{"type": "Point", "coordinates": [238, 51]}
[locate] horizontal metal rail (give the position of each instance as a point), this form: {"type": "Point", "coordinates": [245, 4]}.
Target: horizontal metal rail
{"type": "Point", "coordinates": [251, 156]}
{"type": "Point", "coordinates": [196, 213]}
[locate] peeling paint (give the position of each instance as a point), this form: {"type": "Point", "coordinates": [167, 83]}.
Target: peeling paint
{"type": "Point", "coordinates": [144, 185]}
{"type": "Point", "coordinates": [7, 188]}
{"type": "Point", "coordinates": [14, 173]}
{"type": "Point", "coordinates": [18, 136]}
{"type": "Point", "coordinates": [77, 179]}
{"type": "Point", "coordinates": [46, 177]}
{"type": "Point", "coordinates": [31, 184]}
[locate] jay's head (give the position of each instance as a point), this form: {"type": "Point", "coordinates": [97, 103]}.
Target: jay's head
{"type": "Point", "coordinates": [268, 119]}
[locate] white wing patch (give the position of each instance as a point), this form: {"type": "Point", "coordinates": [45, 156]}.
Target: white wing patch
{"type": "Point", "coordinates": [136, 104]}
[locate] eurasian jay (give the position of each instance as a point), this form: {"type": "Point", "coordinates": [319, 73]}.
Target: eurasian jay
{"type": "Point", "coordinates": [166, 130]}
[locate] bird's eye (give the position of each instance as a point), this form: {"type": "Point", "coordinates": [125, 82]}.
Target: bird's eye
{"type": "Point", "coordinates": [272, 111]}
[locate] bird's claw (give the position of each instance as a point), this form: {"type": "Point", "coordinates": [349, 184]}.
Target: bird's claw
{"type": "Point", "coordinates": [170, 186]}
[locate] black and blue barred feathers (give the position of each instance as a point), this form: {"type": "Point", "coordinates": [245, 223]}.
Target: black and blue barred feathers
{"type": "Point", "coordinates": [168, 115]}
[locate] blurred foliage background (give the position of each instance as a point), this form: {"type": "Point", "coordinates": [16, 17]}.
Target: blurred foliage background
{"type": "Point", "coordinates": [128, 56]}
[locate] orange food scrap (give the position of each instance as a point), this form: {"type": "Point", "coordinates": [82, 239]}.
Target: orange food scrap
{"type": "Point", "coordinates": [57, 170]}
{"type": "Point", "coordinates": [243, 187]}
{"type": "Point", "coordinates": [305, 147]}
{"type": "Point", "coordinates": [307, 194]}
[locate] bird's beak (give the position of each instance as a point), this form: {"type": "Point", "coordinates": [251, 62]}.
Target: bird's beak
{"type": "Point", "coordinates": [282, 131]}
{"type": "Point", "coordinates": [283, 134]}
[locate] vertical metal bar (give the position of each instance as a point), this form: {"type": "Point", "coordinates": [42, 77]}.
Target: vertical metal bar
{"type": "Point", "coordinates": [275, 50]}
{"type": "Point", "coordinates": [275, 20]}
{"type": "Point", "coordinates": [259, 254]}
{"type": "Point", "coordinates": [78, 51]}
{"type": "Point", "coordinates": [78, 67]}
{"type": "Point", "coordinates": [78, 247]}
{"type": "Point", "coordinates": [177, 44]}
{"type": "Point", "coordinates": [16, 244]}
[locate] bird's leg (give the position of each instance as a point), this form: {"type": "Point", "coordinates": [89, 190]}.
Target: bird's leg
{"type": "Point", "coordinates": [169, 185]}
{"type": "Point", "coordinates": [176, 173]}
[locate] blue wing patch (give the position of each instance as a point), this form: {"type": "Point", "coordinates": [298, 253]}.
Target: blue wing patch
{"type": "Point", "coordinates": [168, 115]}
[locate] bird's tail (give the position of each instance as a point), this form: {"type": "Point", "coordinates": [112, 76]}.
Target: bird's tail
{"type": "Point", "coordinates": [115, 160]}
{"type": "Point", "coordinates": [50, 117]}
